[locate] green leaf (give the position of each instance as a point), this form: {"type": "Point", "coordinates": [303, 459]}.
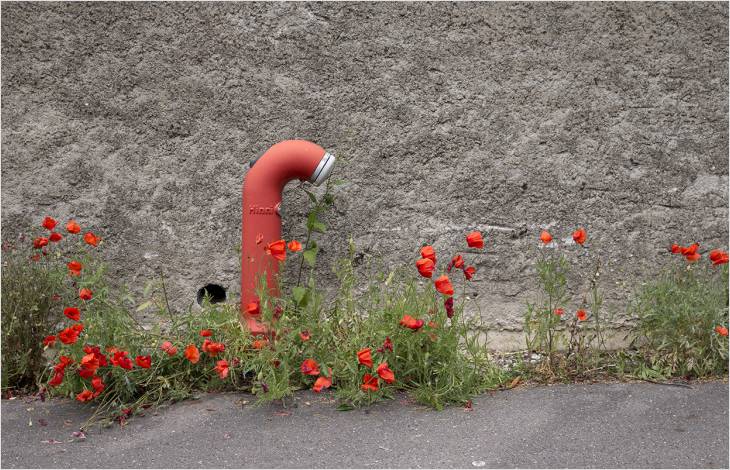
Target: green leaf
{"type": "Point", "coordinates": [311, 195]}
{"type": "Point", "coordinates": [144, 305]}
{"type": "Point", "coordinates": [311, 220]}
{"type": "Point", "coordinates": [345, 407]}
{"type": "Point", "coordinates": [319, 227]}
{"type": "Point", "coordinates": [298, 293]}
{"type": "Point", "coordinates": [310, 256]}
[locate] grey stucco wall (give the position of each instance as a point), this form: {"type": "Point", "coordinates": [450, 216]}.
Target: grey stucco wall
{"type": "Point", "coordinates": [139, 120]}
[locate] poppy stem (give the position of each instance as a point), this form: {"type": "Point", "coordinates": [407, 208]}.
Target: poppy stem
{"type": "Point", "coordinates": [301, 261]}
{"type": "Point", "coordinates": [164, 294]}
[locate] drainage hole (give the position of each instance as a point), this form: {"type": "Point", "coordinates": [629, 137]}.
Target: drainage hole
{"type": "Point", "coordinates": [215, 293]}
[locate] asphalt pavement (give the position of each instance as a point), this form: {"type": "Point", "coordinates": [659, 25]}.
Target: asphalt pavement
{"type": "Point", "coordinates": [637, 425]}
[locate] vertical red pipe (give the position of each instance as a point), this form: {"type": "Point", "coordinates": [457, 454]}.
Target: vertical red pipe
{"type": "Point", "coordinates": [262, 187]}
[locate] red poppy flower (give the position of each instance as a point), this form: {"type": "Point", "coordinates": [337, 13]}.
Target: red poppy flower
{"type": "Point", "coordinates": [428, 252]}
{"type": "Point", "coordinates": [581, 315]}
{"type": "Point", "coordinates": [74, 268]}
{"type": "Point", "coordinates": [57, 378]}
{"type": "Point", "coordinates": [545, 237]}
{"type": "Point", "coordinates": [693, 257]}
{"type": "Point", "coordinates": [322, 382]}
{"type": "Point", "coordinates": [449, 306]}
{"type": "Point", "coordinates": [410, 322]}
{"type": "Point", "coordinates": [49, 223]}
{"type": "Point", "coordinates": [715, 254]}
{"type": "Point", "coordinates": [259, 343]}
{"type": "Point", "coordinates": [721, 330]}
{"type": "Point", "coordinates": [253, 308]}
{"type": "Point", "coordinates": [294, 246]}
{"type": "Point", "coordinates": [212, 348]}
{"type": "Point", "coordinates": [690, 250]}
{"type": "Point", "coordinates": [192, 354]}
{"type": "Point", "coordinates": [97, 354]}
{"type": "Point", "coordinates": [55, 237]}
{"type": "Point", "coordinates": [91, 239]}
{"type": "Point", "coordinates": [221, 368]}
{"type": "Point", "coordinates": [85, 294]}
{"type": "Point", "coordinates": [559, 312]}
{"type": "Point", "coordinates": [385, 373]}
{"type": "Point", "coordinates": [475, 240]}
{"type": "Point", "coordinates": [72, 313]}
{"type": "Point", "coordinates": [469, 272]}
{"type": "Point", "coordinates": [278, 311]}
{"type": "Point", "coordinates": [310, 367]}
{"type": "Point", "coordinates": [206, 333]}
{"type": "Point", "coordinates": [387, 345]}
{"type": "Point", "coordinates": [276, 249]}
{"type": "Point", "coordinates": [364, 357]}
{"type": "Point", "coordinates": [169, 348]}
{"type": "Point", "coordinates": [90, 362]}
{"type": "Point", "coordinates": [718, 257]}
{"type": "Point", "coordinates": [63, 362]}
{"type": "Point", "coordinates": [86, 395]}
{"type": "Point", "coordinates": [579, 236]}
{"type": "Point", "coordinates": [49, 341]}
{"type": "Point", "coordinates": [77, 327]}
{"type": "Point", "coordinates": [40, 242]}
{"type": "Point", "coordinates": [143, 361]}
{"type": "Point", "coordinates": [425, 267]}
{"type": "Point", "coordinates": [457, 261]}
{"type": "Point", "coordinates": [443, 285]}
{"type": "Point", "coordinates": [69, 335]}
{"type": "Point", "coordinates": [98, 385]}
{"type": "Point", "coordinates": [305, 336]}
{"type": "Point", "coordinates": [675, 248]}
{"type": "Point", "coordinates": [120, 359]}
{"type": "Point", "coordinates": [369, 383]}
{"type": "Point", "coordinates": [72, 227]}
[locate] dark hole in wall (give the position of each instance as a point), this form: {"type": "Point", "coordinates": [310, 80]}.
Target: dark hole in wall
{"type": "Point", "coordinates": [215, 292]}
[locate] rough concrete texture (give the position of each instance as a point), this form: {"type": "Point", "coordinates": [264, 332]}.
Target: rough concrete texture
{"type": "Point", "coordinates": [565, 426]}
{"type": "Point", "coordinates": [139, 120]}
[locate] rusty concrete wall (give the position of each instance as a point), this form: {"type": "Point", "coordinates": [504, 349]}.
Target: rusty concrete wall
{"type": "Point", "coordinates": [139, 120]}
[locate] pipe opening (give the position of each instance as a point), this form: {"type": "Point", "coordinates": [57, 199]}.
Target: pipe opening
{"type": "Point", "coordinates": [323, 170]}
{"type": "Point", "coordinates": [215, 293]}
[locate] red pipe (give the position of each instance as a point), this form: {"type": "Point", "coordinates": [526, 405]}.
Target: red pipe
{"type": "Point", "coordinates": [262, 187]}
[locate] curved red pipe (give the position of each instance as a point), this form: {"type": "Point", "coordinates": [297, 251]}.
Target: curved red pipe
{"type": "Point", "coordinates": [262, 187]}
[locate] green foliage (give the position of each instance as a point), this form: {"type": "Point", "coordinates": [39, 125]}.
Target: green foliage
{"type": "Point", "coordinates": [571, 343]}
{"type": "Point", "coordinates": [541, 323]}
{"type": "Point", "coordinates": [443, 362]}
{"type": "Point", "coordinates": [677, 314]}
{"type": "Point", "coordinates": [29, 312]}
